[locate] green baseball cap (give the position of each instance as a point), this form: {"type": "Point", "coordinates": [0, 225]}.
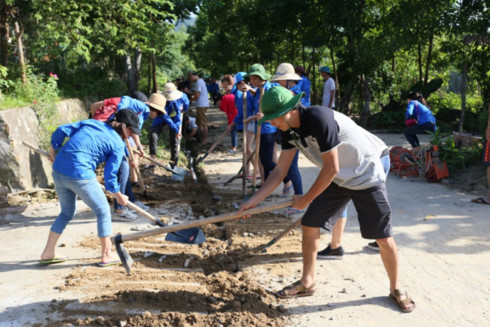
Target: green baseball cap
{"type": "Point", "coordinates": [259, 70]}
{"type": "Point", "coordinates": [277, 101]}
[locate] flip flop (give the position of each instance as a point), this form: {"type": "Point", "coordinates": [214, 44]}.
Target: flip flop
{"type": "Point", "coordinates": [286, 292]}
{"type": "Point", "coordinates": [480, 200]}
{"type": "Point", "coordinates": [285, 191]}
{"type": "Point", "coordinates": [110, 263]}
{"type": "Point", "coordinates": [53, 260]}
{"type": "Point", "coordinates": [402, 303]}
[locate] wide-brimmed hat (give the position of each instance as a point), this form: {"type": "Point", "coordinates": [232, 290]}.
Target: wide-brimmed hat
{"type": "Point", "coordinates": [277, 101]}
{"type": "Point", "coordinates": [325, 69]}
{"type": "Point", "coordinates": [258, 70]}
{"type": "Point", "coordinates": [170, 92]}
{"type": "Point", "coordinates": [285, 72]}
{"type": "Point", "coordinates": [157, 101]}
{"type": "Point", "coordinates": [130, 118]}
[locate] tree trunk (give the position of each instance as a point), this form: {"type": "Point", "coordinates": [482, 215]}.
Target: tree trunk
{"type": "Point", "coordinates": [148, 88]}
{"type": "Point", "coordinates": [313, 78]}
{"type": "Point", "coordinates": [19, 32]}
{"type": "Point", "coordinates": [154, 73]}
{"type": "Point", "coordinates": [130, 74]}
{"type": "Point", "coordinates": [4, 36]}
{"type": "Point", "coordinates": [429, 58]}
{"type": "Point", "coordinates": [137, 67]}
{"type": "Point", "coordinates": [366, 110]}
{"type": "Point", "coordinates": [419, 61]}
{"type": "Point", "coordinates": [463, 97]}
{"type": "Point", "coordinates": [345, 102]}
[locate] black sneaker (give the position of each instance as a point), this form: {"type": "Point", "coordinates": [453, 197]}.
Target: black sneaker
{"type": "Point", "coordinates": [373, 246]}
{"type": "Point", "coordinates": [331, 254]}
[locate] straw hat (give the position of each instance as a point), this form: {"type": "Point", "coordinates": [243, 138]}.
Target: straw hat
{"type": "Point", "coordinates": [170, 92]}
{"type": "Point", "coordinates": [285, 72]}
{"type": "Point", "coordinates": [157, 101]}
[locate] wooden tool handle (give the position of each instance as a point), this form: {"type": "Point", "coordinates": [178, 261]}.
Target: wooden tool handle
{"type": "Point", "coordinates": [279, 236]}
{"type": "Point", "coordinates": [218, 141]}
{"type": "Point", "coordinates": [210, 220]}
{"type": "Point", "coordinates": [131, 157]}
{"type": "Point", "coordinates": [35, 149]}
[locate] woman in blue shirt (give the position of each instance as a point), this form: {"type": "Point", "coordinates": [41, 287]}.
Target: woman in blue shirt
{"type": "Point", "coordinates": [90, 143]}
{"type": "Point", "coordinates": [418, 119]}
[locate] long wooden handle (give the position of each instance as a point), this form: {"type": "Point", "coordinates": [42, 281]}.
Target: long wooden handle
{"type": "Point", "coordinates": [131, 157]}
{"type": "Point", "coordinates": [218, 141]}
{"type": "Point", "coordinates": [257, 143]}
{"type": "Point", "coordinates": [244, 164]}
{"type": "Point", "coordinates": [280, 235]}
{"type": "Point", "coordinates": [35, 149]}
{"type": "Point", "coordinates": [210, 220]}
{"type": "Point", "coordinates": [129, 204]}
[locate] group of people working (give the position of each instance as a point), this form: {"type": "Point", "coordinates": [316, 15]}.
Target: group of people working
{"type": "Point", "coordinates": [274, 109]}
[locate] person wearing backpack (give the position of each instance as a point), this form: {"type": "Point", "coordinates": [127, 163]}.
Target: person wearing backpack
{"type": "Point", "coordinates": [418, 119]}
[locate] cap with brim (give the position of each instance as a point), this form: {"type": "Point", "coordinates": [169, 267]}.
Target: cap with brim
{"type": "Point", "coordinates": [285, 72]}
{"type": "Point", "coordinates": [171, 93]}
{"type": "Point", "coordinates": [130, 118]}
{"type": "Point", "coordinates": [157, 101]}
{"type": "Point", "coordinates": [258, 70]}
{"type": "Point", "coordinates": [239, 77]}
{"type": "Point", "coordinates": [277, 101]}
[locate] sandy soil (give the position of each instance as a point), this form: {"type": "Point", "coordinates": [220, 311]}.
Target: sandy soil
{"type": "Point", "coordinates": [442, 237]}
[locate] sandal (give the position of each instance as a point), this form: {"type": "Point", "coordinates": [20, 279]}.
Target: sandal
{"type": "Point", "coordinates": [480, 200]}
{"type": "Point", "coordinates": [402, 304]}
{"type": "Point", "coordinates": [287, 292]}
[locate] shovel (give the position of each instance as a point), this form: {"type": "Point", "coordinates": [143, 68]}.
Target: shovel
{"type": "Point", "coordinates": [126, 259]}
{"type": "Point", "coordinates": [215, 144]}
{"type": "Point", "coordinates": [164, 166]}
{"type": "Point", "coordinates": [190, 236]}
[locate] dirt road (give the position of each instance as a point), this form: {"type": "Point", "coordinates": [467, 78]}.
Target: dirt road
{"type": "Point", "coordinates": [442, 237]}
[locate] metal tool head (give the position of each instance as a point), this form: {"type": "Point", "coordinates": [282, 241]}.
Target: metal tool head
{"type": "Point", "coordinates": [187, 236]}
{"type": "Point", "coordinates": [123, 254]}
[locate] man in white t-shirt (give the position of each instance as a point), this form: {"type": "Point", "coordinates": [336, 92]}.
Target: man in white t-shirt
{"type": "Point", "coordinates": [201, 100]}
{"type": "Point", "coordinates": [328, 99]}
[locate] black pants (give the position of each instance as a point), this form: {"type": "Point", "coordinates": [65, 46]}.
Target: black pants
{"type": "Point", "coordinates": [155, 131]}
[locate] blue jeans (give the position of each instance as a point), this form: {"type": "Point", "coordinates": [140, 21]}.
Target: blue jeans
{"type": "Point", "coordinates": [90, 192]}
{"type": "Point", "coordinates": [385, 161]}
{"type": "Point", "coordinates": [412, 131]}
{"type": "Point", "coordinates": [294, 175]}
{"type": "Point", "coordinates": [123, 179]}
{"type": "Point", "coordinates": [233, 137]}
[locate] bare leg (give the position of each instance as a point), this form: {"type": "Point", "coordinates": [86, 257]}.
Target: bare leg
{"type": "Point", "coordinates": [106, 245]}
{"type": "Point", "coordinates": [204, 130]}
{"type": "Point", "coordinates": [337, 232]}
{"type": "Point", "coordinates": [389, 256]}
{"type": "Point", "coordinates": [49, 251]}
{"type": "Point", "coordinates": [310, 244]}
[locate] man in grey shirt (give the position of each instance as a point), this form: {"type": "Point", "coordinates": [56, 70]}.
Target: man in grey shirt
{"type": "Point", "coordinates": [349, 158]}
{"type": "Point", "coordinates": [202, 103]}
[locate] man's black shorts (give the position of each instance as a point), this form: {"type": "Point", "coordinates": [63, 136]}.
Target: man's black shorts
{"type": "Point", "coordinates": [373, 210]}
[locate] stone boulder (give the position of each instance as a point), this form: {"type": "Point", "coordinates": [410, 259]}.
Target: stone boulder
{"type": "Point", "coordinates": [20, 167]}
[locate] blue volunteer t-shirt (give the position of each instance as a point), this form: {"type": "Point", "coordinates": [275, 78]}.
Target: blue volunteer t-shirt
{"type": "Point", "coordinates": [91, 143]}
{"type": "Point", "coordinates": [420, 112]}
{"type": "Point", "coordinates": [253, 107]}
{"type": "Point", "coordinates": [174, 109]}
{"type": "Point", "coordinates": [239, 106]}
{"type": "Point", "coordinates": [137, 106]}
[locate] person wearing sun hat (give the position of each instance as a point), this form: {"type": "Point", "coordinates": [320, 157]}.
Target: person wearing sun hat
{"type": "Point", "coordinates": [350, 159]}
{"type": "Point", "coordinates": [177, 103]}
{"type": "Point", "coordinates": [287, 78]}
{"type": "Point", "coordinates": [328, 99]}
{"type": "Point", "coordinates": [259, 79]}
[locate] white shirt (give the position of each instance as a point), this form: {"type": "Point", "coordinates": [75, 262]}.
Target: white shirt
{"type": "Point", "coordinates": [328, 87]}
{"type": "Point", "coordinates": [200, 86]}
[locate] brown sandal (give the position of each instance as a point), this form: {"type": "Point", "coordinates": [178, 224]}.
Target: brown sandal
{"type": "Point", "coordinates": [402, 304]}
{"type": "Point", "coordinates": [286, 292]}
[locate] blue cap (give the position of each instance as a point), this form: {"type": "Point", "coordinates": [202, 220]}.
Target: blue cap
{"type": "Point", "coordinates": [239, 77]}
{"type": "Point", "coordinates": [325, 69]}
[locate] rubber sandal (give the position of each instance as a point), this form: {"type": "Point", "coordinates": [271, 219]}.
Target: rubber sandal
{"type": "Point", "coordinates": [53, 260]}
{"type": "Point", "coordinates": [286, 292]}
{"type": "Point", "coordinates": [285, 191]}
{"type": "Point", "coordinates": [402, 304]}
{"type": "Point", "coordinates": [110, 263]}
{"type": "Point", "coordinates": [480, 200]}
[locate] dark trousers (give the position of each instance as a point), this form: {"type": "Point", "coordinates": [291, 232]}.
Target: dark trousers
{"type": "Point", "coordinates": [155, 131]}
{"type": "Point", "coordinates": [123, 179]}
{"type": "Point", "coordinates": [412, 131]}
{"type": "Point", "coordinates": [266, 154]}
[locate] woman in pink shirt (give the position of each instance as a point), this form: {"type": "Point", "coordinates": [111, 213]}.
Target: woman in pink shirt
{"type": "Point", "coordinates": [228, 106]}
